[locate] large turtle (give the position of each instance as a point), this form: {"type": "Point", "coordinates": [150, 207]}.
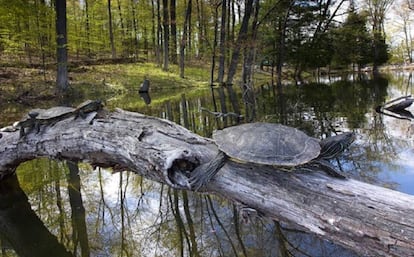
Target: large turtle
{"type": "Point", "coordinates": [87, 107]}
{"type": "Point", "coordinates": [271, 144]}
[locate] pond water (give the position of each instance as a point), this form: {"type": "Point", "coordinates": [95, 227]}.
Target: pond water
{"type": "Point", "coordinates": [67, 209]}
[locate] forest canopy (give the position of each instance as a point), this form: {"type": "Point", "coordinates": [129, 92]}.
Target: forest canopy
{"type": "Point", "coordinates": [302, 35]}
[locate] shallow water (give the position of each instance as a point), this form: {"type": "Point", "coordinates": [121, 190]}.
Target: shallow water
{"type": "Point", "coordinates": [97, 213]}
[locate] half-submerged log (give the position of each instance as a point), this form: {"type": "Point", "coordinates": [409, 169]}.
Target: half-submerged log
{"type": "Point", "coordinates": [371, 220]}
{"type": "Point", "coordinates": [399, 104]}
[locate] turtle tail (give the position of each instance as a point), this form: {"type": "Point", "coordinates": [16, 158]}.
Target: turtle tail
{"type": "Point", "coordinates": [201, 175]}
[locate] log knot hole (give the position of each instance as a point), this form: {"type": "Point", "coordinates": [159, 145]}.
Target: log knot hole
{"type": "Point", "coordinates": [180, 171]}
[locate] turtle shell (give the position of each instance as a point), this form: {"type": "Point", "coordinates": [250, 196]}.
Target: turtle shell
{"type": "Point", "coordinates": [90, 105]}
{"type": "Point", "coordinates": [53, 112]}
{"type": "Point", "coordinates": [267, 143]}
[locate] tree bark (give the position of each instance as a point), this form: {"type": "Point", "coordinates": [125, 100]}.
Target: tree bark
{"type": "Point", "coordinates": [159, 35]}
{"type": "Point", "coordinates": [61, 52]}
{"type": "Point", "coordinates": [184, 38]}
{"type": "Point", "coordinates": [135, 27]}
{"type": "Point", "coordinates": [166, 25]}
{"type": "Point", "coordinates": [240, 39]}
{"type": "Point", "coordinates": [88, 31]}
{"type": "Point", "coordinates": [222, 53]}
{"type": "Point", "coordinates": [173, 31]}
{"type": "Point", "coordinates": [111, 33]}
{"type": "Point", "coordinates": [371, 220]}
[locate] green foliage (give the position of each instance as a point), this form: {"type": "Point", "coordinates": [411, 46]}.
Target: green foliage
{"type": "Point", "coordinates": [295, 33]}
{"type": "Point", "coordinates": [352, 41]}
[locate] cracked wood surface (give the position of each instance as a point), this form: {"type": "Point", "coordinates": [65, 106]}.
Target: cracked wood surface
{"type": "Point", "coordinates": [371, 220]}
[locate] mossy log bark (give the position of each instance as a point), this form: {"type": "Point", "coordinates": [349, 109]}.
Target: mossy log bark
{"type": "Point", "coordinates": [371, 220]}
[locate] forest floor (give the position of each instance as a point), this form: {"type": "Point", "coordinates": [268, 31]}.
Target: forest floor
{"type": "Point", "coordinates": [30, 85]}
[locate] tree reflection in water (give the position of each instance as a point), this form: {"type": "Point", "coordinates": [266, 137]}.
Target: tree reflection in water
{"type": "Point", "coordinates": [20, 227]}
{"type": "Point", "coordinates": [123, 215]}
{"type": "Point", "coordinates": [96, 213]}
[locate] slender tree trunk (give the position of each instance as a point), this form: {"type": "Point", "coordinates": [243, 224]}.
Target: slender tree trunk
{"type": "Point", "coordinates": [153, 30]}
{"type": "Point", "coordinates": [166, 34]}
{"type": "Point", "coordinates": [213, 58]}
{"type": "Point", "coordinates": [200, 35]}
{"type": "Point", "coordinates": [229, 39]}
{"type": "Point", "coordinates": [88, 31]}
{"type": "Point", "coordinates": [159, 33]}
{"type": "Point", "coordinates": [173, 31]}
{"type": "Point", "coordinates": [135, 27]}
{"type": "Point", "coordinates": [240, 39]}
{"type": "Point", "coordinates": [408, 43]}
{"type": "Point", "coordinates": [61, 52]}
{"type": "Point", "coordinates": [41, 35]}
{"type": "Point", "coordinates": [80, 233]}
{"type": "Point", "coordinates": [280, 50]}
{"type": "Point", "coordinates": [184, 38]}
{"type": "Point", "coordinates": [251, 48]}
{"type": "Point", "coordinates": [233, 22]}
{"type": "Point", "coordinates": [121, 22]}
{"type": "Point", "coordinates": [282, 23]}
{"type": "Point", "coordinates": [189, 38]}
{"type": "Point", "coordinates": [222, 41]}
{"type": "Point", "coordinates": [111, 32]}
{"type": "Point", "coordinates": [121, 19]}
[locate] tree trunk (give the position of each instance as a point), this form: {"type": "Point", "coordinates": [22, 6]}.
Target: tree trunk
{"type": "Point", "coordinates": [213, 57]}
{"type": "Point", "coordinates": [184, 38]}
{"type": "Point", "coordinates": [202, 39]}
{"type": "Point", "coordinates": [250, 49]}
{"type": "Point", "coordinates": [79, 231]}
{"type": "Point", "coordinates": [121, 22]}
{"type": "Point", "coordinates": [222, 42]}
{"type": "Point", "coordinates": [159, 34]}
{"type": "Point", "coordinates": [111, 33]}
{"type": "Point", "coordinates": [282, 23]}
{"type": "Point", "coordinates": [19, 223]}
{"type": "Point", "coordinates": [173, 32]}
{"type": "Point", "coordinates": [166, 24]}
{"type": "Point", "coordinates": [135, 27]}
{"type": "Point", "coordinates": [154, 32]}
{"type": "Point", "coordinates": [88, 31]}
{"type": "Point", "coordinates": [408, 42]}
{"type": "Point", "coordinates": [370, 220]}
{"type": "Point", "coordinates": [61, 52]}
{"type": "Point", "coordinates": [241, 38]}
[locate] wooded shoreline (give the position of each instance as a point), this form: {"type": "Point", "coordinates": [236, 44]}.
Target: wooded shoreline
{"type": "Point", "coordinates": [371, 220]}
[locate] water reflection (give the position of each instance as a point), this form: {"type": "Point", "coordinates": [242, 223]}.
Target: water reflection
{"type": "Point", "coordinates": [146, 97]}
{"type": "Point", "coordinates": [123, 215]}
{"type": "Point", "coordinates": [96, 213]}
{"type": "Point", "coordinates": [21, 229]}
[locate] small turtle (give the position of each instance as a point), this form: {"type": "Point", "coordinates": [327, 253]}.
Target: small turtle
{"type": "Point", "coordinates": [27, 123]}
{"type": "Point", "coordinates": [52, 115]}
{"type": "Point", "coordinates": [87, 107]}
{"type": "Point", "coordinates": [271, 144]}
{"type": "Point", "coordinates": [37, 117]}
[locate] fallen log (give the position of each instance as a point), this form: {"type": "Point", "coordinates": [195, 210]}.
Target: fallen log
{"type": "Point", "coordinates": [371, 220]}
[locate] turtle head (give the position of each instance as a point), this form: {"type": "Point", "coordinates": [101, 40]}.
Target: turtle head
{"type": "Point", "coordinates": [333, 146]}
{"type": "Point", "coordinates": [33, 114]}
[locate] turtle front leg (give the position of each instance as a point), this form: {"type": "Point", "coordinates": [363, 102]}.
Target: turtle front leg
{"type": "Point", "coordinates": [22, 132]}
{"type": "Point", "coordinates": [328, 168]}
{"type": "Point", "coordinates": [201, 175]}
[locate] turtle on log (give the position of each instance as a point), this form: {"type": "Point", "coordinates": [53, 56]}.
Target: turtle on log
{"type": "Point", "coordinates": [38, 117]}
{"type": "Point", "coordinates": [272, 144]}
